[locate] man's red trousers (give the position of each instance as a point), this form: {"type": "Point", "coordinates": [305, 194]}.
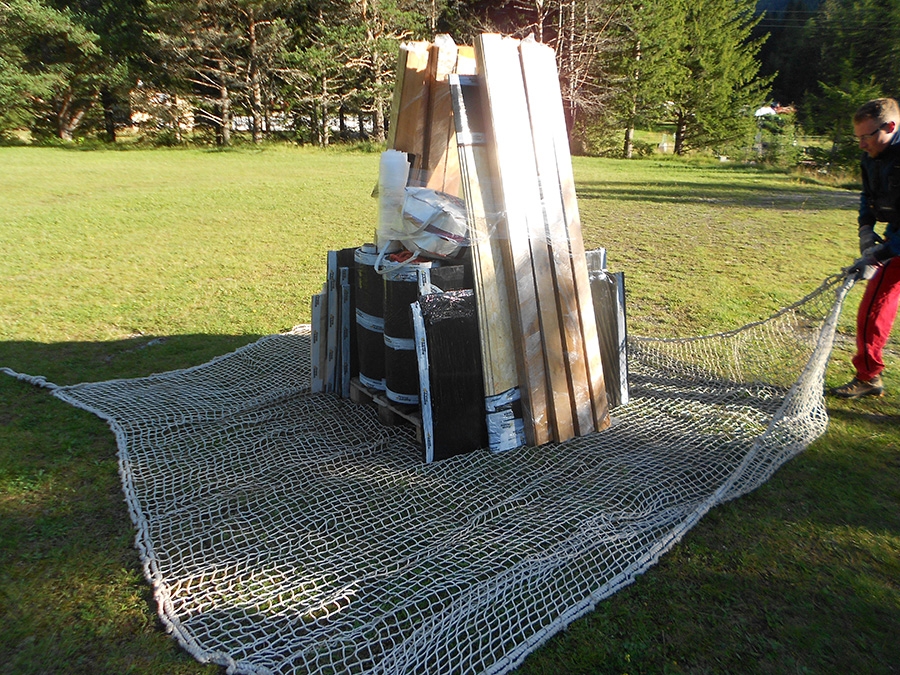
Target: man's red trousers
{"type": "Point", "coordinates": [875, 318]}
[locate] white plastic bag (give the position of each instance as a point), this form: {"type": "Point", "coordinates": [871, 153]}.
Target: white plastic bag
{"type": "Point", "coordinates": [434, 223]}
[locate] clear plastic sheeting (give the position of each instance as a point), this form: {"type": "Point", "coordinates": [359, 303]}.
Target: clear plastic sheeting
{"type": "Point", "coordinates": [290, 532]}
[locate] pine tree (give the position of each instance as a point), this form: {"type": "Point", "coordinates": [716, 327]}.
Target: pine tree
{"type": "Point", "coordinates": [789, 55]}
{"type": "Point", "coordinates": [346, 56]}
{"type": "Point", "coordinates": [224, 54]}
{"type": "Point", "coordinates": [645, 67]}
{"type": "Point", "coordinates": [858, 41]}
{"type": "Point", "coordinates": [49, 68]}
{"type": "Point", "coordinates": [119, 26]}
{"type": "Point", "coordinates": [718, 85]}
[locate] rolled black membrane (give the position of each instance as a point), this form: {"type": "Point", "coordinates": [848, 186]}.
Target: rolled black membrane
{"type": "Point", "coordinates": [369, 299]}
{"type": "Point", "coordinates": [455, 378]}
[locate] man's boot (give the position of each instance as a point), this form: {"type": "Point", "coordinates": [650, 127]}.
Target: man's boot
{"type": "Point", "coordinates": [857, 388]}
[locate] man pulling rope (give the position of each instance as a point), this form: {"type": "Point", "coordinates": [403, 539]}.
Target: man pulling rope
{"type": "Point", "coordinates": [875, 126]}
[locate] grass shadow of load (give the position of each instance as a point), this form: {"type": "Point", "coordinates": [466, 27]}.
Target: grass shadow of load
{"type": "Point", "coordinates": [72, 579]}
{"type": "Point", "coordinates": [138, 356]}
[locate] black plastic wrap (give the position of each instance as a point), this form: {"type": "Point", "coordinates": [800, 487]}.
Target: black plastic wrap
{"type": "Point", "coordinates": [455, 379]}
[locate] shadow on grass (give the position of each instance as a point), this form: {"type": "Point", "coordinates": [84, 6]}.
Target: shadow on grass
{"type": "Point", "coordinates": [878, 419]}
{"type": "Point", "coordinates": [719, 194]}
{"type": "Point", "coordinates": [72, 594]}
{"type": "Point", "coordinates": [66, 363]}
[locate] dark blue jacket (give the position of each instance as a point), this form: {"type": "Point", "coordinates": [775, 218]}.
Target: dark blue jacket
{"type": "Point", "coordinates": [880, 198]}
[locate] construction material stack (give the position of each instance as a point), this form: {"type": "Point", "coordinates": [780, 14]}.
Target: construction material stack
{"type": "Point", "coordinates": [478, 135]}
{"type": "Point", "coordinates": [334, 351]}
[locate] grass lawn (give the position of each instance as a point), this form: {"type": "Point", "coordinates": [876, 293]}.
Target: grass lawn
{"type": "Point", "coordinates": [120, 264]}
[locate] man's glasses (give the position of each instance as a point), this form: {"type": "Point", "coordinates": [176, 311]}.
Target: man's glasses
{"type": "Point", "coordinates": [869, 136]}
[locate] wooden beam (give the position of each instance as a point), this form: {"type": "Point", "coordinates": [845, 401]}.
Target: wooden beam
{"type": "Point", "coordinates": [498, 355]}
{"type": "Point", "coordinates": [522, 230]}
{"type": "Point", "coordinates": [542, 63]}
{"type": "Point", "coordinates": [406, 131]}
{"type": "Point", "coordinates": [539, 91]}
{"type": "Point", "coordinates": [439, 144]}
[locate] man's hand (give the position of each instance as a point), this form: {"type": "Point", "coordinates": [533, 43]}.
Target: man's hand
{"type": "Point", "coordinates": [867, 238]}
{"type": "Point", "coordinates": [863, 268]}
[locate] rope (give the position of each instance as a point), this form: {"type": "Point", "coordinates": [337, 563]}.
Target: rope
{"type": "Point", "coordinates": [36, 380]}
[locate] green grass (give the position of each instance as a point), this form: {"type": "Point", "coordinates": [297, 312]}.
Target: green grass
{"type": "Point", "coordinates": [119, 264]}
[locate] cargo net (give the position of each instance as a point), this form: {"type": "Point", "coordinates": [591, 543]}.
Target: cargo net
{"type": "Point", "coordinates": [290, 532]}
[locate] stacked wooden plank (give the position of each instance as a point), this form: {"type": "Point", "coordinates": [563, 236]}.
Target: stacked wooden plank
{"type": "Point", "coordinates": [538, 226]}
{"type": "Point", "coordinates": [498, 354]}
{"type": "Point", "coordinates": [421, 122]}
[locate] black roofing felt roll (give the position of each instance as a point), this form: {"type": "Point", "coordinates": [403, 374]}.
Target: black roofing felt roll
{"type": "Point", "coordinates": [401, 289]}
{"type": "Point", "coordinates": [369, 286]}
{"type": "Point", "coordinates": [454, 373]}
{"type": "Point", "coordinates": [369, 300]}
{"type": "Point", "coordinates": [402, 286]}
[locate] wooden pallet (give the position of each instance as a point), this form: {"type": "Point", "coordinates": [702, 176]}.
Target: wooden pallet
{"type": "Point", "coordinates": [390, 414]}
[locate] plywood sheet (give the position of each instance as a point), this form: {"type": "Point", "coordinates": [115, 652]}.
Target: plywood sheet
{"type": "Point", "coordinates": [439, 143]}
{"type": "Point", "coordinates": [409, 109]}
{"type": "Point", "coordinates": [522, 230]}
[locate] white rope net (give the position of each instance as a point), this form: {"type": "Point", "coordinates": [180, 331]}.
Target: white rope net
{"type": "Point", "coordinates": [290, 532]}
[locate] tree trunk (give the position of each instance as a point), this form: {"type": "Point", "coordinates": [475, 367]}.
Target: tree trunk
{"type": "Point", "coordinates": [541, 11]}
{"type": "Point", "coordinates": [313, 123]}
{"type": "Point", "coordinates": [570, 67]}
{"type": "Point", "coordinates": [379, 121]}
{"type": "Point", "coordinates": [61, 115]}
{"type": "Point", "coordinates": [680, 134]}
{"type": "Point", "coordinates": [628, 149]}
{"type": "Point", "coordinates": [109, 113]}
{"type": "Point", "coordinates": [255, 86]}
{"type": "Point", "coordinates": [223, 133]}
{"type": "Point", "coordinates": [68, 126]}
{"type": "Point", "coordinates": [323, 133]}
{"type": "Point", "coordinates": [361, 121]}
{"type": "Point", "coordinates": [68, 116]}
{"type": "Point", "coordinates": [632, 111]}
